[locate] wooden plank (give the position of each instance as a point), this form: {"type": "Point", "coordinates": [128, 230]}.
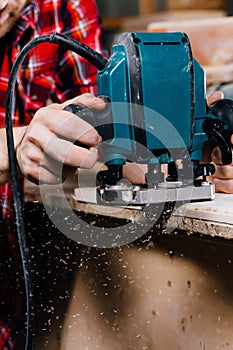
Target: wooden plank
{"type": "Point", "coordinates": [140, 22]}
{"type": "Point", "coordinates": [214, 218]}
{"type": "Point", "coordinates": [194, 4]}
{"type": "Point", "coordinates": [206, 38]}
{"type": "Point", "coordinates": [219, 74]}
{"type": "Point", "coordinates": [211, 218]}
{"type": "Point", "coordinates": [147, 6]}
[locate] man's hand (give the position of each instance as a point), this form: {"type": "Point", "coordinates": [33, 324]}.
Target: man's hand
{"type": "Point", "coordinates": [215, 96]}
{"type": "Point", "coordinates": [46, 153]}
{"type": "Point", "coordinates": [223, 176]}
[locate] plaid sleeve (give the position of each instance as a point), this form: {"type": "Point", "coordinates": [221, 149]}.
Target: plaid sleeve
{"type": "Point", "coordinates": [74, 74]}
{"type": "Point", "coordinates": [51, 73]}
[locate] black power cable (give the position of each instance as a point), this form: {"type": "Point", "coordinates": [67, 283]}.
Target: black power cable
{"type": "Point", "coordinates": [98, 61]}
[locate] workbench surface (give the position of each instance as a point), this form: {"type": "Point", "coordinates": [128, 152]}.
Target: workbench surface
{"type": "Point", "coordinates": [213, 218]}
{"type": "Point", "coordinates": [172, 284]}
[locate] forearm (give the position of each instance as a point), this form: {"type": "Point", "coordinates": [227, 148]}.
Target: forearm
{"type": "Point", "coordinates": [44, 152]}
{"type": "Point", "coordinates": [4, 162]}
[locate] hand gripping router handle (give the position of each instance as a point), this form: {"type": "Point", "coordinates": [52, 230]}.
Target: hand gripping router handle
{"type": "Point", "coordinates": [214, 128]}
{"type": "Point", "coordinates": [84, 113]}
{"type": "Point", "coordinates": [101, 121]}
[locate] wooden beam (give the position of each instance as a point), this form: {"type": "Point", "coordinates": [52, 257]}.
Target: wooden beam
{"type": "Point", "coordinates": [194, 4]}
{"type": "Point", "coordinates": [147, 6]}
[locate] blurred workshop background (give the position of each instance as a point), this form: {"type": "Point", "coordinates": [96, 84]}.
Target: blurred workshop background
{"type": "Point", "coordinates": [208, 23]}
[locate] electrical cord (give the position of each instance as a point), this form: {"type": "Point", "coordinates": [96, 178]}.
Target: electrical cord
{"type": "Point", "coordinates": [99, 62]}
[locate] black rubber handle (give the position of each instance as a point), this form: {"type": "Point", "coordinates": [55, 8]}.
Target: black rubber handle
{"type": "Point", "coordinates": [223, 110]}
{"type": "Point", "coordinates": [220, 130]}
{"type": "Point", "coordinates": [84, 113]}
{"type": "Point", "coordinates": [100, 120]}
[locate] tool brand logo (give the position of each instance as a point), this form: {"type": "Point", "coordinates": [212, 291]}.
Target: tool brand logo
{"type": "Point", "coordinates": [108, 211]}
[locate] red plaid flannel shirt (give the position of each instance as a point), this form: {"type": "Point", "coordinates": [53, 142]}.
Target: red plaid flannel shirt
{"type": "Point", "coordinates": [48, 73]}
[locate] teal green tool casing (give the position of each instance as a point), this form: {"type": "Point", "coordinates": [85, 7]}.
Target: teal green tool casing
{"type": "Point", "coordinates": [158, 94]}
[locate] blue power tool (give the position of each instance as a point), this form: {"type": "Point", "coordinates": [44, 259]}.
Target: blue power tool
{"type": "Point", "coordinates": [156, 114]}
